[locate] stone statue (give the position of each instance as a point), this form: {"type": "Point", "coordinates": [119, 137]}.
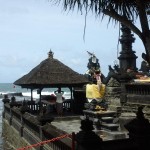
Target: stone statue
{"type": "Point", "coordinates": [86, 138]}
{"type": "Point", "coordinates": [93, 68]}
{"type": "Point", "coordinates": [145, 67]}
{"type": "Point", "coordinates": [6, 99]}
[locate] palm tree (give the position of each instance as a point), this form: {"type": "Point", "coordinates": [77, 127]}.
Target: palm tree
{"type": "Point", "coordinates": [123, 11]}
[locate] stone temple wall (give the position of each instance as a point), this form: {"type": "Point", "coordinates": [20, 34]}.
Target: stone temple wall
{"type": "Point", "coordinates": [112, 95]}
{"type": "Point", "coordinates": [12, 138]}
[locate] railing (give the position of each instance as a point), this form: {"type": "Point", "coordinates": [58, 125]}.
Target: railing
{"type": "Point", "coordinates": [135, 95]}
{"type": "Point", "coordinates": [67, 105]}
{"type": "Point", "coordinates": [29, 127]}
{"type": "Point", "coordinates": [33, 106]}
{"type": "Point", "coordinates": [137, 88]}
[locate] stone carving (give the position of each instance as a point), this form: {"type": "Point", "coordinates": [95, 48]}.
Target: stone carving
{"type": "Point", "coordinates": [86, 138]}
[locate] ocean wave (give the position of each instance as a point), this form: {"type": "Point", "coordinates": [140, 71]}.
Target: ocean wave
{"type": "Point", "coordinates": [35, 95]}
{"type": "Point", "coordinates": [66, 95]}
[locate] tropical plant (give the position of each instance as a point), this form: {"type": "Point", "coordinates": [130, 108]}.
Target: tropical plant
{"type": "Point", "coordinates": [123, 11]}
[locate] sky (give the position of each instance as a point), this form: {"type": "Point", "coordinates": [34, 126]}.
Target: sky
{"type": "Point", "coordinates": [30, 28]}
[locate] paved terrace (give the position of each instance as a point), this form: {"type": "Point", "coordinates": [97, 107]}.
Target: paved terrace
{"type": "Point", "coordinates": [73, 123]}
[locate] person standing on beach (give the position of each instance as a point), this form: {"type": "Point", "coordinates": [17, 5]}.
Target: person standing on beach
{"type": "Point", "coordinates": [59, 101]}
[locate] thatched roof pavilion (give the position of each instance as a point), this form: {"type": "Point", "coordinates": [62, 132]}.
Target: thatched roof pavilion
{"type": "Point", "coordinates": [51, 73]}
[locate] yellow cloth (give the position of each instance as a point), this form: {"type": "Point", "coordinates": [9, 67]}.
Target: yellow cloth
{"type": "Point", "coordinates": [89, 91]}
{"type": "Point", "coordinates": [102, 90]}
{"type": "Point", "coordinates": [93, 92]}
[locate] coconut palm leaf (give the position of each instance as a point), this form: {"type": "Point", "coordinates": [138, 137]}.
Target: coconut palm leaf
{"type": "Point", "coordinates": [127, 8]}
{"type": "Point", "coordinates": [122, 11]}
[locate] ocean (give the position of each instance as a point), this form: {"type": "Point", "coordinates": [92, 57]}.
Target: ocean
{"type": "Point", "coordinates": [8, 88]}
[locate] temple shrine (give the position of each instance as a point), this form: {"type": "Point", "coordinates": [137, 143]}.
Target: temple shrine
{"type": "Point", "coordinates": [113, 111]}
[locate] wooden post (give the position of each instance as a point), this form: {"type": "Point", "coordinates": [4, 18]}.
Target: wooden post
{"type": "Point", "coordinates": [73, 141]}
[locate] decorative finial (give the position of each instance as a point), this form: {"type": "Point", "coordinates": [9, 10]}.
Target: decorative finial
{"type": "Point", "coordinates": [87, 125]}
{"type": "Point", "coordinates": [50, 54]}
{"type": "Point", "coordinates": [140, 114]}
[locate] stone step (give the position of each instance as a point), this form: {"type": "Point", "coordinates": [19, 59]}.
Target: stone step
{"type": "Point", "coordinates": [129, 109]}
{"type": "Point", "coordinates": [107, 119]}
{"type": "Point", "coordinates": [113, 135]}
{"type": "Point", "coordinates": [110, 126]}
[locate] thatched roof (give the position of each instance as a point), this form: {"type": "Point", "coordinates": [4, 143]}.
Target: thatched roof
{"type": "Point", "coordinates": [51, 73]}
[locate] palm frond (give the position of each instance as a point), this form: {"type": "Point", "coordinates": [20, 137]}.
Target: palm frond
{"type": "Point", "coordinates": [127, 8]}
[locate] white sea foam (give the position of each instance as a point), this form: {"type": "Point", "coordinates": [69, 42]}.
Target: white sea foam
{"type": "Point", "coordinates": [66, 95]}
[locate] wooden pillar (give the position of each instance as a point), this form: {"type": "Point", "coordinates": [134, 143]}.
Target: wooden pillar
{"type": "Point", "coordinates": [31, 100]}
{"type": "Point", "coordinates": [40, 103]}
{"type": "Point", "coordinates": [71, 92]}
{"type": "Point", "coordinates": [31, 94]}
{"type": "Point", "coordinates": [40, 94]}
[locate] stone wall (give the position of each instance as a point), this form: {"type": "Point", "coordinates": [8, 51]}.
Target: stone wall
{"type": "Point", "coordinates": [12, 138]}
{"type": "Point", "coordinates": [112, 95]}
{"type": "Point", "coordinates": [20, 130]}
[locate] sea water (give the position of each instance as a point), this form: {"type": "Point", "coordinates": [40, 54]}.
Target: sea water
{"type": "Point", "coordinates": [8, 88]}
{"type": "Point", "coordinates": [1, 109]}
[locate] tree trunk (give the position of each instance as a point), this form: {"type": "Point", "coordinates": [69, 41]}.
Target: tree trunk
{"type": "Point", "coordinates": [147, 47]}
{"type": "Point", "coordinates": [144, 26]}
{"type": "Point", "coordinates": [144, 35]}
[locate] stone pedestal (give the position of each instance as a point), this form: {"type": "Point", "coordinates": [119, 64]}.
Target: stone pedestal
{"type": "Point", "coordinates": [112, 95]}
{"type": "Point", "coordinates": [124, 119]}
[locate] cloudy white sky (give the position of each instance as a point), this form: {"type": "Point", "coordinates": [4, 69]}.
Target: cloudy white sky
{"type": "Point", "coordinates": [30, 28]}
